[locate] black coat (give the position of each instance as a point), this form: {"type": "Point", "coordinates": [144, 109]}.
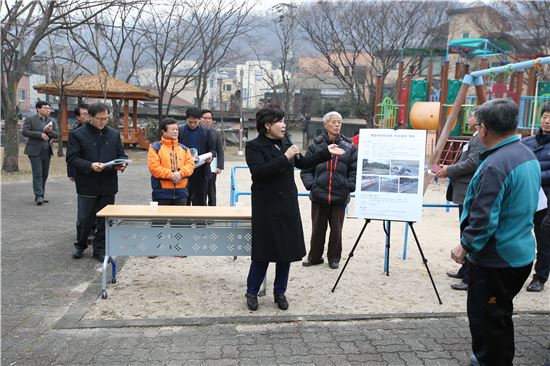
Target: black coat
{"type": "Point", "coordinates": [540, 145]}
{"type": "Point", "coordinates": [277, 234]}
{"type": "Point", "coordinates": [331, 182]}
{"type": "Point", "coordinates": [87, 145]}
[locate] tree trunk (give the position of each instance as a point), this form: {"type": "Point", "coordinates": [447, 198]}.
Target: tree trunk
{"type": "Point", "coordinates": [115, 122]}
{"type": "Point", "coordinates": [11, 145]}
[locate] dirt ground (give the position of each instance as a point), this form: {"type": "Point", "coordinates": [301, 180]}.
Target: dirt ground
{"type": "Point", "coordinates": [215, 286]}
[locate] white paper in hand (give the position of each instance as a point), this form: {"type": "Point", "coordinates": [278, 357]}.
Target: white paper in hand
{"type": "Point", "coordinates": [543, 201]}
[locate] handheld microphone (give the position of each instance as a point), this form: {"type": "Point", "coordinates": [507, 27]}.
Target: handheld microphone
{"type": "Point", "coordinates": [298, 156]}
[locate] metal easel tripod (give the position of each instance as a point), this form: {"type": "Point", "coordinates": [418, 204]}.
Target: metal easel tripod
{"type": "Point", "coordinates": [351, 254]}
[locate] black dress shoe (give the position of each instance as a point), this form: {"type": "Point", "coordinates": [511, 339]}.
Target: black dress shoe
{"type": "Point", "coordinates": [307, 263]}
{"type": "Point", "coordinates": [461, 286]}
{"type": "Point", "coordinates": [281, 301]}
{"type": "Point", "coordinates": [78, 253]}
{"type": "Point", "coordinates": [39, 201]}
{"type": "Point", "coordinates": [252, 302]}
{"type": "Point", "coordinates": [333, 265]}
{"type": "Point", "coordinates": [535, 286]}
{"type": "Point", "coordinates": [45, 200]}
{"type": "Point", "coordinates": [455, 274]}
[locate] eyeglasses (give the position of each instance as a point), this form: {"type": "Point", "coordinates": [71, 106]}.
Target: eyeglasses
{"type": "Point", "coordinates": [101, 118]}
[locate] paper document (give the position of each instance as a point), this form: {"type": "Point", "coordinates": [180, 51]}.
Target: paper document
{"type": "Point", "coordinates": [214, 165]}
{"type": "Point", "coordinates": [202, 159]}
{"type": "Point", "coordinates": [49, 125]}
{"type": "Point", "coordinates": [116, 162]}
{"type": "Point", "coordinates": [543, 201]}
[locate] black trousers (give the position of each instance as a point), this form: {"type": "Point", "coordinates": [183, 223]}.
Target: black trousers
{"type": "Point", "coordinates": [464, 270]}
{"type": "Point", "coordinates": [197, 189]}
{"type": "Point", "coordinates": [212, 190]}
{"type": "Point", "coordinates": [256, 275]}
{"type": "Point", "coordinates": [321, 216]}
{"type": "Point", "coordinates": [40, 166]}
{"type": "Point", "coordinates": [491, 292]}
{"type": "Point", "coordinates": [542, 234]}
{"type": "Point", "coordinates": [88, 206]}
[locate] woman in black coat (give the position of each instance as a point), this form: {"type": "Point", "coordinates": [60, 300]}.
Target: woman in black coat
{"type": "Point", "coordinates": [277, 234]}
{"type": "Point", "coordinates": [540, 144]}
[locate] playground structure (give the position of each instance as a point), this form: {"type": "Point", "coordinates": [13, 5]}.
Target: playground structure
{"type": "Point", "coordinates": [423, 107]}
{"type": "Point", "coordinates": [476, 78]}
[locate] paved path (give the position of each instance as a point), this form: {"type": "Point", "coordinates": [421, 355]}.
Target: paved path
{"type": "Point", "coordinates": [42, 286]}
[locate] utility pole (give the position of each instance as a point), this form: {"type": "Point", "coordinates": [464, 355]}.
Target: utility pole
{"type": "Point", "coordinates": [241, 152]}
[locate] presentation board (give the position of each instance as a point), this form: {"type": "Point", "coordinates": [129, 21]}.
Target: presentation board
{"type": "Point", "coordinates": [390, 174]}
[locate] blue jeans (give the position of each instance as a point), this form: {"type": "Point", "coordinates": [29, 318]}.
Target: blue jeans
{"type": "Point", "coordinates": [256, 275]}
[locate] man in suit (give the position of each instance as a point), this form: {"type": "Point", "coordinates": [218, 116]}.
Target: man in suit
{"type": "Point", "coordinates": [460, 175]}
{"type": "Point", "coordinates": [195, 136]}
{"type": "Point", "coordinates": [206, 121]}
{"type": "Point", "coordinates": [40, 129]}
{"type": "Point", "coordinates": [88, 148]}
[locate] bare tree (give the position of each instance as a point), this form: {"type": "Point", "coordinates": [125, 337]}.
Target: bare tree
{"type": "Point", "coordinates": [359, 39]}
{"type": "Point", "coordinates": [282, 53]}
{"type": "Point", "coordinates": [114, 40]}
{"type": "Point", "coordinates": [170, 40]}
{"type": "Point", "coordinates": [24, 25]}
{"type": "Point", "coordinates": [531, 20]}
{"type": "Point", "coordinates": [63, 73]}
{"type": "Point", "coordinates": [219, 23]}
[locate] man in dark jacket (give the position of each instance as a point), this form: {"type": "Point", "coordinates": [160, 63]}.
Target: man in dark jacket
{"type": "Point", "coordinates": [40, 129]}
{"type": "Point", "coordinates": [82, 117]}
{"type": "Point", "coordinates": [206, 121]}
{"type": "Point", "coordinates": [88, 148]}
{"type": "Point", "coordinates": [540, 145]}
{"type": "Point", "coordinates": [330, 184]}
{"type": "Point", "coordinates": [460, 175]}
{"type": "Point", "coordinates": [195, 136]}
{"type": "Point", "coordinates": [497, 222]}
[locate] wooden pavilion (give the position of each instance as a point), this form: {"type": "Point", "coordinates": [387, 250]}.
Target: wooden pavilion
{"type": "Point", "coordinates": [102, 86]}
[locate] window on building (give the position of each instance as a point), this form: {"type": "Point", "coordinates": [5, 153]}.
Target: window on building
{"type": "Point", "coordinates": [466, 35]}
{"type": "Point", "coordinates": [346, 70]}
{"type": "Point", "coordinates": [22, 95]}
{"type": "Point", "coordinates": [226, 87]}
{"type": "Point", "coordinates": [335, 70]}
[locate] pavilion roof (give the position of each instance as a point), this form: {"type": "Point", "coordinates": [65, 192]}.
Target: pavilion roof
{"type": "Point", "coordinates": [98, 86]}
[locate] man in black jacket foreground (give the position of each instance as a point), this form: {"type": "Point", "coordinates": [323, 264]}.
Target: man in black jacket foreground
{"type": "Point", "coordinates": [330, 184]}
{"type": "Point", "coordinates": [88, 148]}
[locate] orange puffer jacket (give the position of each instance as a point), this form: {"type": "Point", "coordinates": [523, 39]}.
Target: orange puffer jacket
{"type": "Point", "coordinates": [164, 158]}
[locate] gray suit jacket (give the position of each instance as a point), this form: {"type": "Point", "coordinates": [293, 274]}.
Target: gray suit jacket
{"type": "Point", "coordinates": [462, 172]}
{"type": "Point", "coordinates": [33, 127]}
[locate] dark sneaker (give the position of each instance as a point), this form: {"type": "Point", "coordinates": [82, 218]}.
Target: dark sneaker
{"type": "Point", "coordinates": [460, 286]}
{"type": "Point", "coordinates": [78, 253]}
{"type": "Point", "coordinates": [39, 201]}
{"type": "Point", "coordinates": [252, 302]}
{"type": "Point", "coordinates": [281, 301]}
{"type": "Point", "coordinates": [99, 256]}
{"type": "Point", "coordinates": [535, 286]}
{"type": "Point", "coordinates": [307, 263]}
{"type": "Point", "coordinates": [45, 200]}
{"type": "Point", "coordinates": [333, 265]}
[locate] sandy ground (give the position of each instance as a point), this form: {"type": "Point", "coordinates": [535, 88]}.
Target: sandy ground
{"type": "Point", "coordinates": [215, 286]}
